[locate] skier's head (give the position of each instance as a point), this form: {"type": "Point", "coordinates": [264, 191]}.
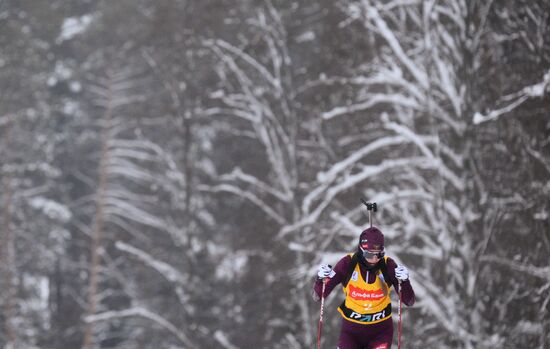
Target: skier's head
{"type": "Point", "coordinates": [371, 244]}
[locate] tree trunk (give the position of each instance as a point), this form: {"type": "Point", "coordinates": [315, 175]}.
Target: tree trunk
{"type": "Point", "coordinates": [99, 219]}
{"type": "Point", "coordinates": [8, 253]}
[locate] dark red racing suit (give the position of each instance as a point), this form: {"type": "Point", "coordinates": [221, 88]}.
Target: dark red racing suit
{"type": "Point", "coordinates": [355, 335]}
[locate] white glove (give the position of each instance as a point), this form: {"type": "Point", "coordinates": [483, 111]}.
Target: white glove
{"type": "Point", "coordinates": [325, 271]}
{"type": "Point", "coordinates": [402, 273]}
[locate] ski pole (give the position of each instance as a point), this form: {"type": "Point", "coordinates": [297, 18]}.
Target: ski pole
{"type": "Point", "coordinates": [321, 314]}
{"type": "Point", "coordinates": [399, 321]}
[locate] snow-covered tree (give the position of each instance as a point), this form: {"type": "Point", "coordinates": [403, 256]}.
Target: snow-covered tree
{"type": "Point", "coordinates": [172, 172]}
{"type": "Point", "coordinates": [32, 219]}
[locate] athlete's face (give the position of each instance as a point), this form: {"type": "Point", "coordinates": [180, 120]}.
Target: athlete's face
{"type": "Point", "coordinates": [372, 256]}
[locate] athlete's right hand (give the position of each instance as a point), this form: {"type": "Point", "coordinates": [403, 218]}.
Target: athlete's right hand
{"type": "Point", "coordinates": [325, 271]}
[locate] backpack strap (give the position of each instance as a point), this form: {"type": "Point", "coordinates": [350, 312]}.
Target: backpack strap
{"type": "Point", "coordinates": [384, 270]}
{"type": "Point", "coordinates": [351, 268]}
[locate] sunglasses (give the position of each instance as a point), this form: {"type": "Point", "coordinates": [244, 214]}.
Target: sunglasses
{"type": "Point", "coordinates": [371, 254]}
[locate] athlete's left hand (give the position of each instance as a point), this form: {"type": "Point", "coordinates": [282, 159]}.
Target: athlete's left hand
{"type": "Point", "coordinates": [402, 273]}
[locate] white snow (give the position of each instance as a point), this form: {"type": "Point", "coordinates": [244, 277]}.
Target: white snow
{"type": "Point", "coordinates": [306, 36]}
{"type": "Point", "coordinates": [514, 100]}
{"type": "Point", "coordinates": [73, 26]}
{"type": "Point", "coordinates": [51, 208]}
{"type": "Point", "coordinates": [223, 340]}
{"type": "Point", "coordinates": [232, 265]}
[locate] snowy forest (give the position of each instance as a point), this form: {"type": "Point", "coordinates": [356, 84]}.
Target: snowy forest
{"type": "Point", "coordinates": [173, 172]}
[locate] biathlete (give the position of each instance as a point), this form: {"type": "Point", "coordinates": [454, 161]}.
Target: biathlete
{"type": "Point", "coordinates": [366, 276]}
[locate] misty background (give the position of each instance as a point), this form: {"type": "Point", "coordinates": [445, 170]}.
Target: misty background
{"type": "Point", "coordinates": [173, 172]}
